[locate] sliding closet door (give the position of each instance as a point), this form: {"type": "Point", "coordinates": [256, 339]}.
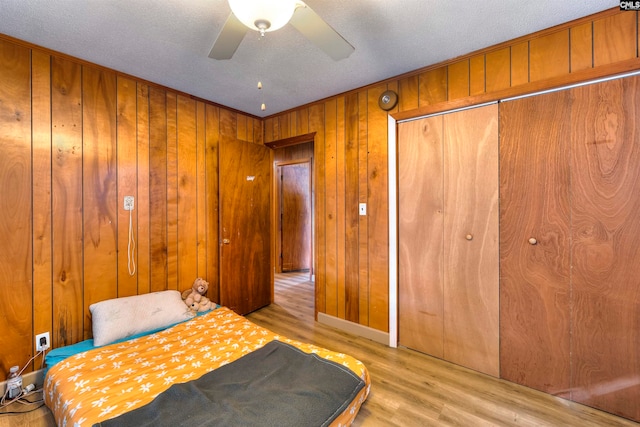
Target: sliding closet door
{"type": "Point", "coordinates": [605, 182]}
{"type": "Point", "coordinates": [471, 292]}
{"type": "Point", "coordinates": [534, 242]}
{"type": "Point", "coordinates": [420, 228]}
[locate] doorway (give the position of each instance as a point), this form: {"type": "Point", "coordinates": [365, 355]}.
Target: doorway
{"type": "Point", "coordinates": [293, 151]}
{"type": "Point", "coordinates": [293, 216]}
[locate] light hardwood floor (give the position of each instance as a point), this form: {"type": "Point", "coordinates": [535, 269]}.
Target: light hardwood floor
{"type": "Point", "coordinates": [408, 388]}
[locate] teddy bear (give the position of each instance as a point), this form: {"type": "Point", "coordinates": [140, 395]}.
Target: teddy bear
{"type": "Point", "coordinates": [195, 299]}
{"type": "Point", "coordinates": [192, 306]}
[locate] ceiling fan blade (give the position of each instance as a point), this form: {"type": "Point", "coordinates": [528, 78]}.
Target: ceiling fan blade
{"type": "Point", "coordinates": [229, 39]}
{"type": "Point", "coordinates": [313, 27]}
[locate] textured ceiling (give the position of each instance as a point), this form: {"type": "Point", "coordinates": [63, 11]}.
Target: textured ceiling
{"type": "Point", "coordinates": [167, 41]}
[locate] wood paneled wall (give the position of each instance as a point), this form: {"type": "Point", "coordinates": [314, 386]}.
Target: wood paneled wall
{"type": "Point", "coordinates": [351, 143]}
{"type": "Point", "coordinates": [76, 139]}
{"type": "Point", "coordinates": [350, 167]}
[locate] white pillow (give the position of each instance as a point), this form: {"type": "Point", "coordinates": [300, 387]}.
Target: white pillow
{"type": "Point", "coordinates": [119, 318]}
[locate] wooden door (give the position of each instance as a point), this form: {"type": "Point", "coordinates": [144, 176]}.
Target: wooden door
{"type": "Point", "coordinates": [246, 273]}
{"type": "Point", "coordinates": [448, 237]}
{"type": "Point", "coordinates": [295, 216]}
{"type": "Point", "coordinates": [471, 282]}
{"type": "Point", "coordinates": [420, 234]}
{"type": "Point", "coordinates": [534, 242]}
{"type": "Point", "coordinates": [605, 207]}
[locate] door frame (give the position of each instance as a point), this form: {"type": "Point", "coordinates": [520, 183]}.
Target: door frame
{"type": "Point", "coordinates": [392, 154]}
{"type": "Point", "coordinates": [276, 203]}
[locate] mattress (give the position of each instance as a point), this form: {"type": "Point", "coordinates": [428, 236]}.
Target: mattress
{"type": "Point", "coordinates": [61, 353]}
{"type": "Point", "coordinates": [100, 384]}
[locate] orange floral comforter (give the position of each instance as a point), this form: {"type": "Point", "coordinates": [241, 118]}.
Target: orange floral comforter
{"type": "Point", "coordinates": [105, 382]}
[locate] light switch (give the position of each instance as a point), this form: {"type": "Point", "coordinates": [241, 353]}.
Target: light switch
{"type": "Point", "coordinates": [363, 209]}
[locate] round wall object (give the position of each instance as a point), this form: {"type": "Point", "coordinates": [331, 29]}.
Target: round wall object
{"type": "Point", "coordinates": [388, 99]}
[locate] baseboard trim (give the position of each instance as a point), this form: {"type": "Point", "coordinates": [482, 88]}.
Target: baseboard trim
{"type": "Point", "coordinates": [354, 328]}
{"type": "Point", "coordinates": [36, 378]}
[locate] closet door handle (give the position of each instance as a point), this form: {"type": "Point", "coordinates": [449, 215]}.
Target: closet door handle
{"type": "Point", "coordinates": [533, 241]}
{"type": "Point", "coordinates": [226, 241]}
{"type": "Point", "coordinates": [469, 237]}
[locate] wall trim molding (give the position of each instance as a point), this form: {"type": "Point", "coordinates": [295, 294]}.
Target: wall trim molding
{"type": "Point", "coordinates": [392, 138]}
{"type": "Point", "coordinates": [294, 140]}
{"type": "Point", "coordinates": [354, 328]}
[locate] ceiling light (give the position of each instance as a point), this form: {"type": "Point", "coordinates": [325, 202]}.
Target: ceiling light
{"type": "Point", "coordinates": [263, 15]}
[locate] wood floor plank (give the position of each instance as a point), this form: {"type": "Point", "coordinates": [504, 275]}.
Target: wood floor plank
{"type": "Point", "coordinates": [412, 389]}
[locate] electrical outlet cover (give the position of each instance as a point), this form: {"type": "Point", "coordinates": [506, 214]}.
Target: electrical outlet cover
{"type": "Point", "coordinates": [47, 339]}
{"type": "Point", "coordinates": [128, 203]}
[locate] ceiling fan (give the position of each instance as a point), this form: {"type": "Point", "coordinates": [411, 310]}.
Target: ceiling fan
{"type": "Point", "coordinates": [270, 15]}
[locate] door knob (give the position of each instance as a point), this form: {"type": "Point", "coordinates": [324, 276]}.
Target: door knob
{"type": "Point", "coordinates": [469, 237]}
{"type": "Point", "coordinates": [533, 241]}
{"type": "Point", "coordinates": [226, 241]}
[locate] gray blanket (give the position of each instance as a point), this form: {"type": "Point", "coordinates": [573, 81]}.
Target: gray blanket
{"type": "Point", "coordinates": [277, 385]}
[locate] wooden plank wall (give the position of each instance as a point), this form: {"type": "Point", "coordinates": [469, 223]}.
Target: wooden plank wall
{"type": "Point", "coordinates": [343, 127]}
{"type": "Point", "coordinates": [76, 139]}
{"type": "Point", "coordinates": [351, 144]}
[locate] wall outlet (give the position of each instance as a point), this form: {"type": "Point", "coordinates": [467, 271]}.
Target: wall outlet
{"type": "Point", "coordinates": [43, 341]}
{"type": "Point", "coordinates": [128, 203]}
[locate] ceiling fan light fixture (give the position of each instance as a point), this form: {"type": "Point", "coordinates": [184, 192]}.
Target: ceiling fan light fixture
{"type": "Point", "coordinates": [263, 15]}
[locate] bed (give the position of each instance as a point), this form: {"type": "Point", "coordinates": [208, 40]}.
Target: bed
{"type": "Point", "coordinates": [217, 368]}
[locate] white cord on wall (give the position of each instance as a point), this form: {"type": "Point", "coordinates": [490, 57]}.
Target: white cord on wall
{"type": "Point", "coordinates": [131, 247]}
